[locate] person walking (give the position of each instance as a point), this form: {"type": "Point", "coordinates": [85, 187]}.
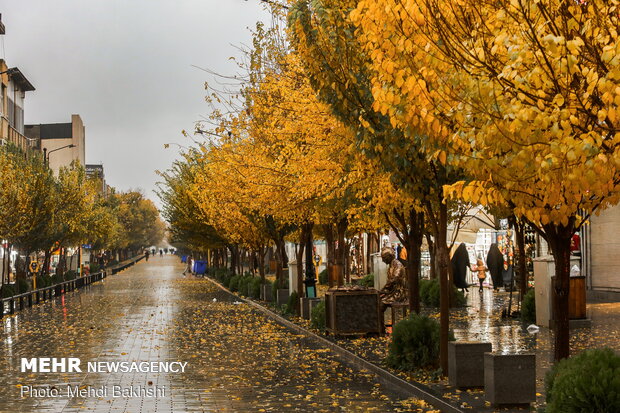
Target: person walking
{"type": "Point", "coordinates": [189, 265]}
{"type": "Point", "coordinates": [481, 270]}
{"type": "Point", "coordinates": [146, 255]}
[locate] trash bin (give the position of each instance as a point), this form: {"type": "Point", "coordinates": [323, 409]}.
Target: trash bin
{"type": "Point", "coordinates": [200, 267]}
{"type": "Point", "coordinates": [184, 258]}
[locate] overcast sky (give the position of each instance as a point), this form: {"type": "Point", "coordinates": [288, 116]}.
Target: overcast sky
{"type": "Point", "coordinates": [125, 66]}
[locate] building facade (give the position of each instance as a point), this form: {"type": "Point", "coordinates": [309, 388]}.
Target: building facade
{"type": "Point", "coordinates": [55, 140]}
{"type": "Point", "coordinates": [13, 88]}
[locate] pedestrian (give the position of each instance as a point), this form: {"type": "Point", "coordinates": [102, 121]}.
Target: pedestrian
{"type": "Point", "coordinates": [460, 262]}
{"type": "Point", "coordinates": [161, 252]}
{"type": "Point", "coordinates": [146, 255]}
{"type": "Point", "coordinates": [482, 272]}
{"type": "Point", "coordinates": [101, 261]}
{"type": "Point", "coordinates": [188, 266]}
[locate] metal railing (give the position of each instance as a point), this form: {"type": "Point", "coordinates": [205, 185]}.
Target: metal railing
{"type": "Point", "coordinates": [20, 301]}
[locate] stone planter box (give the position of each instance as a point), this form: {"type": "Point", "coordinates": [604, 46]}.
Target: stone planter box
{"type": "Point", "coordinates": [266, 293]}
{"type": "Point", "coordinates": [509, 378]}
{"type": "Point", "coordinates": [282, 298]}
{"type": "Point", "coordinates": [353, 312]}
{"type": "Point", "coordinates": [466, 363]}
{"type": "Point", "coordinates": [306, 306]}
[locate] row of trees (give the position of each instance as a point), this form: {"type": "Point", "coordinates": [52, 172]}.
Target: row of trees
{"type": "Point", "coordinates": [41, 213]}
{"type": "Point", "coordinates": [360, 115]}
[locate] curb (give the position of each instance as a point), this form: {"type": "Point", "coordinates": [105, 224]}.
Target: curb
{"type": "Point", "coordinates": [394, 383]}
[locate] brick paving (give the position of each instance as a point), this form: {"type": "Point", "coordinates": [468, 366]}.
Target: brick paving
{"type": "Point", "coordinates": [238, 360]}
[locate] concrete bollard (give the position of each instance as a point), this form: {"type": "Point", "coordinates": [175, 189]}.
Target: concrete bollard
{"type": "Point", "coordinates": [282, 297]}
{"type": "Point", "coordinates": [306, 306]}
{"type": "Point", "coordinates": [509, 378]}
{"type": "Point", "coordinates": [266, 293]}
{"type": "Point", "coordinates": [466, 363]}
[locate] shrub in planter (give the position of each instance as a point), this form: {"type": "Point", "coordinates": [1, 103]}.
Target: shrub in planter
{"type": "Point", "coordinates": [43, 281]}
{"type": "Point", "coordinates": [94, 268]}
{"type": "Point", "coordinates": [8, 291]}
{"type": "Point", "coordinates": [233, 284]}
{"type": "Point", "coordinates": [275, 287]}
{"type": "Point", "coordinates": [244, 282]}
{"type": "Point", "coordinates": [588, 382]}
{"type": "Point", "coordinates": [368, 281]}
{"type": "Point", "coordinates": [430, 290]}
{"type": "Point", "coordinates": [528, 307]}
{"type": "Point", "coordinates": [293, 303]}
{"type": "Point", "coordinates": [242, 285]}
{"type": "Point", "coordinates": [70, 275]}
{"type": "Point", "coordinates": [323, 277]}
{"type": "Point", "coordinates": [425, 286]}
{"type": "Point", "coordinates": [317, 316]}
{"type": "Point", "coordinates": [57, 278]}
{"type": "Point", "coordinates": [415, 343]}
{"type": "Point", "coordinates": [22, 285]}
{"type": "Point", "coordinates": [255, 287]}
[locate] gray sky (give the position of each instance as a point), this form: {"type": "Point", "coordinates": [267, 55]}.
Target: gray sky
{"type": "Point", "coordinates": [125, 66]}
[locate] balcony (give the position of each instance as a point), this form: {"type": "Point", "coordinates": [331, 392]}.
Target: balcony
{"type": "Point", "coordinates": [19, 140]}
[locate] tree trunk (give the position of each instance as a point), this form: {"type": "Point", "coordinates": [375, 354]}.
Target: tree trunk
{"type": "Point", "coordinates": [310, 270]}
{"type": "Point", "coordinates": [414, 256]}
{"type": "Point", "coordinates": [522, 268]}
{"type": "Point", "coordinates": [299, 256]}
{"type": "Point", "coordinates": [439, 223]}
{"type": "Point", "coordinates": [261, 263]}
{"type": "Point", "coordinates": [233, 259]}
{"type": "Point", "coordinates": [329, 239]}
{"type": "Point", "coordinates": [341, 229]}
{"type": "Point", "coordinates": [433, 256]}
{"type": "Point", "coordinates": [410, 232]}
{"type": "Point", "coordinates": [559, 238]}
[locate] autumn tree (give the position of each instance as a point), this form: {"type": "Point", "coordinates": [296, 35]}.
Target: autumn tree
{"type": "Point", "coordinates": [528, 92]}
{"type": "Point", "coordinates": [340, 67]}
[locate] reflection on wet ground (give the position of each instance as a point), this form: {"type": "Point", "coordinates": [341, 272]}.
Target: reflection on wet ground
{"type": "Point", "coordinates": [481, 321]}
{"type": "Point", "coordinates": [237, 359]}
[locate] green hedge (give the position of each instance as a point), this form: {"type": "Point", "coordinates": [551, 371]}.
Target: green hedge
{"type": "Point", "coordinates": [368, 281]}
{"type": "Point", "coordinates": [292, 306]}
{"type": "Point", "coordinates": [323, 277]}
{"type": "Point", "coordinates": [588, 382]}
{"type": "Point", "coordinates": [528, 307]}
{"type": "Point", "coordinates": [317, 316]}
{"type": "Point", "coordinates": [22, 286]}
{"type": "Point", "coordinates": [430, 294]}
{"type": "Point", "coordinates": [255, 287]}
{"type": "Point", "coordinates": [415, 343]}
{"type": "Point", "coordinates": [8, 290]}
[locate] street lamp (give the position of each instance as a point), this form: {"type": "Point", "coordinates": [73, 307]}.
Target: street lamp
{"type": "Point", "coordinates": [10, 71]}
{"type": "Point", "coordinates": [46, 154]}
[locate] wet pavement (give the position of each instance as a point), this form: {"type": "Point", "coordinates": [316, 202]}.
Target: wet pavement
{"type": "Point", "coordinates": [481, 320]}
{"type": "Point", "coordinates": [238, 360]}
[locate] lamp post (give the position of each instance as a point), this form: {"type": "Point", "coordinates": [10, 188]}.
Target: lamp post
{"type": "Point", "coordinates": [46, 154]}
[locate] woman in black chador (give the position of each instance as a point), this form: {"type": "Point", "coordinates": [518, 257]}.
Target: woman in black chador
{"type": "Point", "coordinates": [495, 264]}
{"type": "Point", "coordinates": [460, 263]}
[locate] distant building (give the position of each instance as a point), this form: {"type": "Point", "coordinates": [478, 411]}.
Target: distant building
{"type": "Point", "coordinates": [54, 140]}
{"type": "Point", "coordinates": [13, 88]}
{"type": "Point", "coordinates": [95, 172]}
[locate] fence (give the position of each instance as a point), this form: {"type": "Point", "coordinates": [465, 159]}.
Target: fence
{"type": "Point", "coordinates": [28, 299]}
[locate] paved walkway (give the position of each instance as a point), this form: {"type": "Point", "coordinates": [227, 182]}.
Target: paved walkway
{"type": "Point", "coordinates": [237, 359]}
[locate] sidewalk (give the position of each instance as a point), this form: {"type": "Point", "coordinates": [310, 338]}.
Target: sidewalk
{"type": "Point", "coordinates": [481, 321]}
{"type": "Point", "coordinates": [238, 359]}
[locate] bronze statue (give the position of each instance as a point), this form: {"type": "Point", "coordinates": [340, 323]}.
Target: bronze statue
{"type": "Point", "coordinates": [395, 289]}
